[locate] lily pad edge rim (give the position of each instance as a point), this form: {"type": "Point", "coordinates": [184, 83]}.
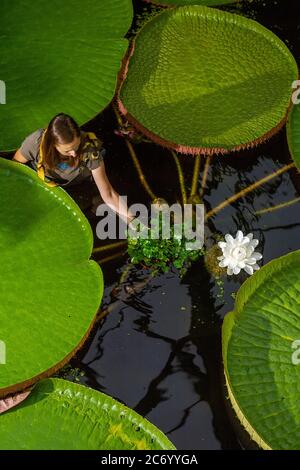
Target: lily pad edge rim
{"type": "Point", "coordinates": [228, 323]}
{"type": "Point", "coordinates": [209, 151]}
{"type": "Point", "coordinates": [24, 385]}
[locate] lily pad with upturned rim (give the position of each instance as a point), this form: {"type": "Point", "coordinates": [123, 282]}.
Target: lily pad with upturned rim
{"type": "Point", "coordinates": [209, 3]}
{"type": "Point", "coordinates": [49, 289]}
{"type": "Point", "coordinates": [293, 134]}
{"type": "Point", "coordinates": [61, 415]}
{"type": "Point", "coordinates": [198, 79]}
{"type": "Point", "coordinates": [258, 345]}
{"type": "Point", "coordinates": [58, 57]}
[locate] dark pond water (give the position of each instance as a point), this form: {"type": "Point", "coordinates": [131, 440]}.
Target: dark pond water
{"type": "Point", "coordinates": [159, 350]}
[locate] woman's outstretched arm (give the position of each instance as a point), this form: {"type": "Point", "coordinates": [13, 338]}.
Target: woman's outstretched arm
{"type": "Point", "coordinates": [109, 195]}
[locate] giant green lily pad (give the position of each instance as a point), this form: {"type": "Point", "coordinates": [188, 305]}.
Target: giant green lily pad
{"type": "Point", "coordinates": [261, 357]}
{"type": "Point", "coordinates": [198, 79]}
{"type": "Point", "coordinates": [49, 289]}
{"type": "Point", "coordinates": [293, 133]}
{"type": "Point", "coordinates": [209, 3]}
{"type": "Point", "coordinates": [61, 415]}
{"type": "Point", "coordinates": [58, 56]}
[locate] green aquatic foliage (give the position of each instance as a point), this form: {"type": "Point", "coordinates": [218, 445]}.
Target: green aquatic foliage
{"type": "Point", "coordinates": [209, 3]}
{"type": "Point", "coordinates": [50, 290]}
{"type": "Point", "coordinates": [61, 415]}
{"type": "Point", "coordinates": [152, 249]}
{"type": "Point", "coordinates": [199, 79]}
{"type": "Point", "coordinates": [58, 56]}
{"type": "Point", "coordinates": [293, 134]}
{"type": "Point", "coordinates": [261, 349]}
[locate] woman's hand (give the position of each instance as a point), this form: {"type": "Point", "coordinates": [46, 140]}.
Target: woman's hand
{"type": "Point", "coordinates": [137, 228]}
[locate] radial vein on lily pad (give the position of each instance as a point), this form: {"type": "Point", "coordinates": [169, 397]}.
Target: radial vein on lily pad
{"type": "Point", "coordinates": [198, 79]}
{"type": "Point", "coordinates": [238, 253]}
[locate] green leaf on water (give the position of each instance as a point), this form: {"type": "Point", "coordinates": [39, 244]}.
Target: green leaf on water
{"type": "Point", "coordinates": [258, 347]}
{"type": "Point", "coordinates": [205, 80]}
{"type": "Point", "coordinates": [58, 57]}
{"type": "Point", "coordinates": [293, 134]}
{"type": "Point", "coordinates": [50, 290]}
{"type": "Point", "coordinates": [61, 415]}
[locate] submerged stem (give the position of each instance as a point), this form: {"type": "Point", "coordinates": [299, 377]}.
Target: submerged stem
{"type": "Point", "coordinates": [125, 273]}
{"type": "Point", "coordinates": [195, 175]}
{"type": "Point", "coordinates": [111, 257]}
{"type": "Point", "coordinates": [136, 161]}
{"type": "Point", "coordinates": [110, 246]}
{"type": "Point", "coordinates": [247, 190]}
{"type": "Point", "coordinates": [134, 290]}
{"type": "Point", "coordinates": [279, 206]}
{"type": "Point", "coordinates": [180, 177]}
{"type": "Point", "coordinates": [205, 174]}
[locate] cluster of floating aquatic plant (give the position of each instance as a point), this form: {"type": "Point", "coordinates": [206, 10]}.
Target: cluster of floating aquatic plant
{"type": "Point", "coordinates": [161, 252]}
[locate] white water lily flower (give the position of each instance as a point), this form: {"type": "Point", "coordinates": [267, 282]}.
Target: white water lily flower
{"type": "Point", "coordinates": [238, 253]}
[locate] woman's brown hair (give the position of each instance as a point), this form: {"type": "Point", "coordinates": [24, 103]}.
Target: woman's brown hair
{"type": "Point", "coordinates": [62, 129]}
